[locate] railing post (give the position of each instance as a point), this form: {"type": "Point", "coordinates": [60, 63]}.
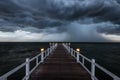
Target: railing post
{"type": "Point", "coordinates": [27, 68]}
{"type": "Point", "coordinates": [74, 53]}
{"type": "Point", "coordinates": [93, 69]}
{"type": "Point", "coordinates": [52, 48]}
{"type": "Point", "coordinates": [77, 57]}
{"type": "Point", "coordinates": [42, 57]}
{"type": "Point", "coordinates": [69, 49]}
{"type": "Point", "coordinates": [69, 46]}
{"type": "Point", "coordinates": [51, 44]}
{"type": "Point", "coordinates": [45, 54]}
{"type": "Point", "coordinates": [48, 51]}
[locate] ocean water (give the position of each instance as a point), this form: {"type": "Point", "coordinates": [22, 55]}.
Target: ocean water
{"type": "Point", "coordinates": [105, 54]}
{"type": "Point", "coordinates": [14, 54]}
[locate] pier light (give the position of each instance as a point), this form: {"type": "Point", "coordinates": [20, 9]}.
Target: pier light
{"type": "Point", "coordinates": [42, 49]}
{"type": "Point", "coordinates": [78, 49]}
{"type": "Point", "coordinates": [50, 43]}
{"type": "Point", "coordinates": [69, 44]}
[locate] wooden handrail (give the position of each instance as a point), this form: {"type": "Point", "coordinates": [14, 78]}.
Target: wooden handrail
{"type": "Point", "coordinates": [93, 64]}
{"type": "Point", "coordinates": [27, 64]}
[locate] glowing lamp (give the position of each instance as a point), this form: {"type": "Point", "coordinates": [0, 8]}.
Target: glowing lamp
{"type": "Point", "coordinates": [69, 44]}
{"type": "Point", "coordinates": [42, 50]}
{"type": "Point", "coordinates": [78, 49]}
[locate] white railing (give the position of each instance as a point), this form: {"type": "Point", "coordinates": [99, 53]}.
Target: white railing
{"type": "Point", "coordinates": [26, 64]}
{"type": "Point", "coordinates": [94, 65]}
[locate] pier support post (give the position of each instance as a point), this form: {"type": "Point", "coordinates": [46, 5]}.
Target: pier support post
{"type": "Point", "coordinates": [77, 57]}
{"type": "Point", "coordinates": [93, 69]}
{"type": "Point", "coordinates": [42, 57]}
{"type": "Point", "coordinates": [27, 68]}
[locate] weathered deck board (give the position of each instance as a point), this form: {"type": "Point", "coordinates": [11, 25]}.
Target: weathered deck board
{"type": "Point", "coordinates": [60, 66]}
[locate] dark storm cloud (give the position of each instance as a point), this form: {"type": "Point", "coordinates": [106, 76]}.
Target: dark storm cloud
{"type": "Point", "coordinates": [77, 18]}
{"type": "Point", "coordinates": [26, 15]}
{"type": "Point", "coordinates": [59, 9]}
{"type": "Point", "coordinates": [110, 29]}
{"type": "Point", "coordinates": [104, 10]}
{"type": "Point", "coordinates": [75, 9]}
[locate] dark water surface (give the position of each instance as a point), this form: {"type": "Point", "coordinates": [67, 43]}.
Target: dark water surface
{"type": "Point", "coordinates": [105, 54]}
{"type": "Point", "coordinates": [13, 54]}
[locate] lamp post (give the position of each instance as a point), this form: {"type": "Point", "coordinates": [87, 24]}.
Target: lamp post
{"type": "Point", "coordinates": [78, 51]}
{"type": "Point", "coordinates": [42, 56]}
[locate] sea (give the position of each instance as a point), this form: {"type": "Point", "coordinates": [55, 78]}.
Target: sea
{"type": "Point", "coordinates": [13, 54]}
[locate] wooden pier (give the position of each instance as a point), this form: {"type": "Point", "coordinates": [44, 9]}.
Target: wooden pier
{"type": "Point", "coordinates": [59, 62]}
{"type": "Point", "coordinates": [60, 65]}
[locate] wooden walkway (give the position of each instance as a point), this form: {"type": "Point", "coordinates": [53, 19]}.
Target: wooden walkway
{"type": "Point", "coordinates": [60, 65]}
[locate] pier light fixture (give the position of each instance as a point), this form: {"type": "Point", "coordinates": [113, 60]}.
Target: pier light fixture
{"type": "Point", "coordinates": [78, 49]}
{"type": "Point", "coordinates": [42, 49]}
{"type": "Point", "coordinates": [69, 44]}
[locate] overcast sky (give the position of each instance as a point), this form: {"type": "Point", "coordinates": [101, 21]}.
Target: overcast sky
{"type": "Point", "coordinates": [60, 20]}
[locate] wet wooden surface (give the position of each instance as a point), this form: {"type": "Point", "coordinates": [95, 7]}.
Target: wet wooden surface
{"type": "Point", "coordinates": [60, 65]}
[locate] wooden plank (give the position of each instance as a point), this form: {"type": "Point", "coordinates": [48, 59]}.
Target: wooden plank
{"type": "Point", "coordinates": [60, 66]}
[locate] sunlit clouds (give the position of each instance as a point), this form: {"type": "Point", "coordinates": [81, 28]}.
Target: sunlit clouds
{"type": "Point", "coordinates": [112, 37]}
{"type": "Point", "coordinates": [21, 36]}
